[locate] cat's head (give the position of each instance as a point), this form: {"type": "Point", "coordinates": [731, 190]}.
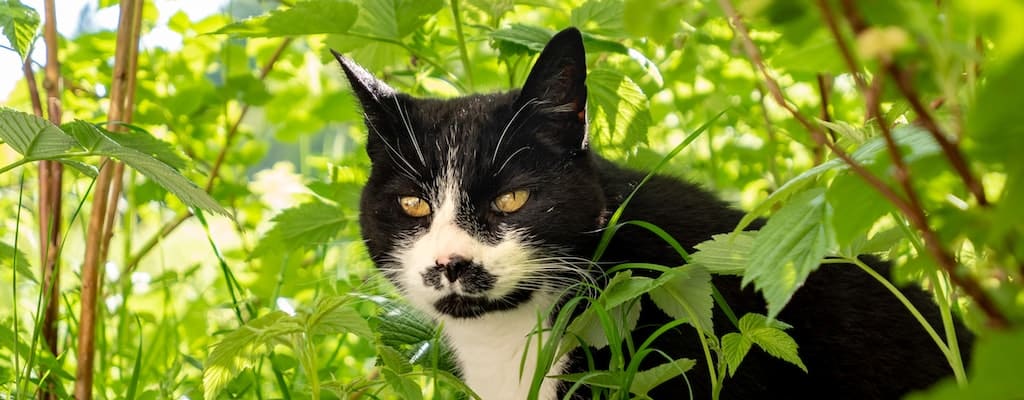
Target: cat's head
{"type": "Point", "coordinates": [477, 204]}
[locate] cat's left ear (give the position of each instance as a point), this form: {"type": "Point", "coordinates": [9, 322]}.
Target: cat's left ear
{"type": "Point", "coordinates": [370, 90]}
{"type": "Point", "coordinates": [558, 82]}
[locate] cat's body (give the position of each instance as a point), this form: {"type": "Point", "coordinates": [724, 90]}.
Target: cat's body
{"type": "Point", "coordinates": [484, 209]}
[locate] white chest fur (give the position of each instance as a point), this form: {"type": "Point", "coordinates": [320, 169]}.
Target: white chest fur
{"type": "Point", "coordinates": [491, 349]}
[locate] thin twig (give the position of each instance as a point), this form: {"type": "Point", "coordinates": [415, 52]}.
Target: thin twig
{"type": "Point", "coordinates": [996, 318]}
{"type": "Point", "coordinates": [149, 244]}
{"type": "Point", "coordinates": [917, 217]}
{"type": "Point", "coordinates": [906, 87]}
{"type": "Point", "coordinates": [844, 49]}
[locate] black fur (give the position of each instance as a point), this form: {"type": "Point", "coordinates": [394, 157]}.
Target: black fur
{"type": "Point", "coordinates": [856, 339]}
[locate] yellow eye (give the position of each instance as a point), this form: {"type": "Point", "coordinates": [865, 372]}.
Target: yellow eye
{"type": "Point", "coordinates": [511, 201]}
{"type": "Point", "coordinates": [414, 206]}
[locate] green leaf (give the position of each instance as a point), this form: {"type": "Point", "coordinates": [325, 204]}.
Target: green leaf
{"type": "Point", "coordinates": [393, 359]}
{"type": "Point", "coordinates": [304, 18]}
{"type": "Point", "coordinates": [307, 225]}
{"type": "Point", "coordinates": [645, 381]}
{"type": "Point", "coordinates": [135, 138]}
{"type": "Point", "coordinates": [32, 136]}
{"type": "Point", "coordinates": [406, 388]}
{"type": "Point", "coordinates": [619, 111]}
{"type": "Point", "coordinates": [334, 315]}
{"type": "Point", "coordinates": [790, 246]}
{"type": "Point", "coordinates": [657, 20]}
{"type": "Point", "coordinates": [861, 206]}
{"type": "Point", "coordinates": [734, 348]}
{"type": "Point", "coordinates": [11, 257]}
{"type": "Point", "coordinates": [18, 23]}
{"type": "Point", "coordinates": [238, 350]}
{"type": "Point", "coordinates": [725, 253]}
{"type": "Point", "coordinates": [994, 373]}
{"type": "Point", "coordinates": [519, 39]}
{"type": "Point", "coordinates": [394, 19]}
{"type": "Point", "coordinates": [769, 336]}
{"type": "Point", "coordinates": [603, 17]}
{"type": "Point", "coordinates": [144, 159]}
{"type": "Point", "coordinates": [684, 290]}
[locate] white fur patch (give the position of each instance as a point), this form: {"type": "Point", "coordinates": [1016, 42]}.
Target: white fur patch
{"type": "Point", "coordinates": [489, 348]}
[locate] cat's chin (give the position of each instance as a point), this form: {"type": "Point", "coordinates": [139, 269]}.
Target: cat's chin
{"type": "Point", "coordinates": [461, 306]}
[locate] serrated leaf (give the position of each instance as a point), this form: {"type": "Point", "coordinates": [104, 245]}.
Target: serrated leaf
{"type": "Point", "coordinates": [402, 385]}
{"type": "Point", "coordinates": [777, 343]}
{"type": "Point", "coordinates": [599, 16]}
{"type": "Point", "coordinates": [304, 18]}
{"type": "Point", "coordinates": [334, 315]}
{"type": "Point", "coordinates": [752, 321]}
{"type": "Point", "coordinates": [19, 24]}
{"type": "Point", "coordinates": [9, 256]}
{"type": "Point", "coordinates": [144, 142]}
{"type": "Point", "coordinates": [32, 136]}
{"type": "Point", "coordinates": [861, 206]}
{"type": "Point", "coordinates": [725, 253]}
{"type": "Point", "coordinates": [394, 19]}
{"type": "Point", "coordinates": [618, 108]}
{"type": "Point", "coordinates": [790, 246]}
{"type": "Point", "coordinates": [520, 39]}
{"type": "Point", "coordinates": [304, 226]}
{"type": "Point", "coordinates": [657, 20]}
{"type": "Point", "coordinates": [236, 351]}
{"type": "Point", "coordinates": [393, 359]}
{"type": "Point", "coordinates": [734, 348]}
{"type": "Point", "coordinates": [98, 141]}
{"type": "Point", "coordinates": [588, 326]}
{"type": "Point", "coordinates": [645, 381]}
{"type": "Point", "coordinates": [684, 290]}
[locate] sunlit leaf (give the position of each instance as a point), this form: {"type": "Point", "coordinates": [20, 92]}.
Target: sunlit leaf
{"type": "Point", "coordinates": [726, 254]}
{"type": "Point", "coordinates": [647, 380]}
{"type": "Point", "coordinates": [11, 257]}
{"type": "Point", "coordinates": [307, 225]}
{"type": "Point", "coordinates": [304, 18]}
{"type": "Point", "coordinates": [32, 136]}
{"type": "Point", "coordinates": [790, 246]}
{"type": "Point", "coordinates": [686, 295]}
{"type": "Point", "coordinates": [18, 23]}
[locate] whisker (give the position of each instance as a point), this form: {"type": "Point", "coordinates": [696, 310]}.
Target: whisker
{"type": "Point", "coordinates": [510, 122]}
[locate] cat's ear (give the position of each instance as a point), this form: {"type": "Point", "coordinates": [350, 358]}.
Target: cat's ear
{"type": "Point", "coordinates": [558, 82]}
{"type": "Point", "coordinates": [369, 90]}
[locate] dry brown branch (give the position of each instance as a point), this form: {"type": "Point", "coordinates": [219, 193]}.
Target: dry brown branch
{"type": "Point", "coordinates": [91, 265]}
{"type": "Point", "coordinates": [995, 317]}
{"type": "Point", "coordinates": [844, 49]}
{"type": "Point", "coordinates": [150, 243]}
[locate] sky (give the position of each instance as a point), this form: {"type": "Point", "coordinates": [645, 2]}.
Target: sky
{"type": "Point", "coordinates": [69, 15]}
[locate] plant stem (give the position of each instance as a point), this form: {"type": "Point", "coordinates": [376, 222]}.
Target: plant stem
{"type": "Point", "coordinates": [954, 360]}
{"type": "Point", "coordinates": [944, 296]}
{"type": "Point", "coordinates": [91, 265]}
{"type": "Point", "coordinates": [463, 53]}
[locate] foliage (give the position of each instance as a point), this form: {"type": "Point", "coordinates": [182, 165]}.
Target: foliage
{"type": "Point", "coordinates": [855, 127]}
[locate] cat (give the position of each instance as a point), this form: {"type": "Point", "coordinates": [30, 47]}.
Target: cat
{"type": "Point", "coordinates": [482, 210]}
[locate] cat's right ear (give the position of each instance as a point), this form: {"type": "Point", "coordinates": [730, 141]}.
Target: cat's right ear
{"type": "Point", "coordinates": [370, 91]}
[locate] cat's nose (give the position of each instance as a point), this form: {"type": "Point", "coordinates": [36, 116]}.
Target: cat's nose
{"type": "Point", "coordinates": [453, 266]}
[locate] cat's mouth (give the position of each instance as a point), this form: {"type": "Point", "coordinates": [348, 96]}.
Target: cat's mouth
{"type": "Point", "coordinates": [465, 306]}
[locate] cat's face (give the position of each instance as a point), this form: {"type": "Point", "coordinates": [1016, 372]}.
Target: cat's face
{"type": "Point", "coordinates": [478, 204]}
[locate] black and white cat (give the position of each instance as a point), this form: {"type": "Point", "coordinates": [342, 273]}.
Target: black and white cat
{"type": "Point", "coordinates": [483, 209]}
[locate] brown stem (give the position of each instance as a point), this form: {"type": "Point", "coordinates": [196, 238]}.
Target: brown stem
{"type": "Point", "coordinates": [50, 194]}
{"type": "Point", "coordinates": [214, 171]}
{"type": "Point", "coordinates": [844, 49]}
{"type": "Point", "coordinates": [996, 319]}
{"type": "Point", "coordinates": [91, 265]}
{"type": "Point", "coordinates": [129, 109]}
{"type": "Point", "coordinates": [823, 88]}
{"type": "Point", "coordinates": [906, 87]}
{"type": "Point", "coordinates": [919, 220]}
{"type": "Point", "coordinates": [951, 150]}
